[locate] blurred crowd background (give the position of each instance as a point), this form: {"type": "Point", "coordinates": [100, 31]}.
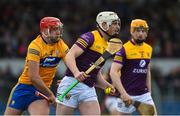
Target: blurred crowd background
{"type": "Point", "coordinates": [19, 25]}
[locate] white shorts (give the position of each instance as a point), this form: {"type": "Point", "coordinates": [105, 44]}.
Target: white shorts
{"type": "Point", "coordinates": [80, 93]}
{"type": "Point", "coordinates": [114, 103]}
{"type": "Point", "coordinates": [111, 103]}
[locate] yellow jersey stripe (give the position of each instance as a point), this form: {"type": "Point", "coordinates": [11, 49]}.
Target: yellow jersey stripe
{"type": "Point", "coordinates": [10, 96]}
{"type": "Point", "coordinates": [118, 58]}
{"type": "Point", "coordinates": [80, 42]}
{"type": "Point", "coordinates": [83, 42]}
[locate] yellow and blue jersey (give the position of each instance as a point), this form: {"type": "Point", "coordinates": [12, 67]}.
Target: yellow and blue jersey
{"type": "Point", "coordinates": [48, 57]}
{"type": "Point", "coordinates": [94, 46]}
{"type": "Point", "coordinates": [135, 60]}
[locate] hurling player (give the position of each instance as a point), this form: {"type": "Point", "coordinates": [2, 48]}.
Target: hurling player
{"type": "Point", "coordinates": [130, 70]}
{"type": "Point", "coordinates": [43, 56]}
{"type": "Point", "coordinates": [86, 50]}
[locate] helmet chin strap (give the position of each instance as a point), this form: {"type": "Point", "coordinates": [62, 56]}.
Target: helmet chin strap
{"type": "Point", "coordinates": [44, 35]}
{"type": "Point", "coordinates": [138, 41]}
{"type": "Point", "coordinates": [50, 41]}
{"type": "Point", "coordinates": [110, 36]}
{"type": "Point", "coordinates": [55, 40]}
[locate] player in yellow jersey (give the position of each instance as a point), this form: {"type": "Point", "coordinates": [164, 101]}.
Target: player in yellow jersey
{"type": "Point", "coordinates": [130, 70]}
{"type": "Point", "coordinates": [86, 50]}
{"type": "Point", "coordinates": [43, 56]}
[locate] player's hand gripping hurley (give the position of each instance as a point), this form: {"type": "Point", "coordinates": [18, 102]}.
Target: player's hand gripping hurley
{"type": "Point", "coordinates": [114, 45]}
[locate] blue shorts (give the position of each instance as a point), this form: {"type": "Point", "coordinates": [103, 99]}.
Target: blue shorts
{"type": "Point", "coordinates": [22, 96]}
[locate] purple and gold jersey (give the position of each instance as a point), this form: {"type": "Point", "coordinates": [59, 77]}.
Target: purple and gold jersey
{"type": "Point", "coordinates": [48, 57]}
{"type": "Point", "coordinates": [135, 60]}
{"type": "Point", "coordinates": [94, 46]}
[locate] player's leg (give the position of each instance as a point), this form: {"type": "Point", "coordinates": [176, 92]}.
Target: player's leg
{"type": "Point", "coordinates": [88, 102]}
{"type": "Point", "coordinates": [21, 98]}
{"type": "Point", "coordinates": [67, 106]}
{"type": "Point", "coordinates": [12, 111]}
{"type": "Point", "coordinates": [64, 110]}
{"type": "Point", "coordinates": [146, 98]}
{"type": "Point", "coordinates": [13, 107]}
{"type": "Point", "coordinates": [39, 107]}
{"type": "Point", "coordinates": [89, 108]}
{"type": "Point", "coordinates": [122, 109]}
{"type": "Point", "coordinates": [111, 105]}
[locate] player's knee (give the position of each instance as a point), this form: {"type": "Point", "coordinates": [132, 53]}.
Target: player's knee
{"type": "Point", "coordinates": [12, 111]}
{"type": "Point", "coordinates": [39, 108]}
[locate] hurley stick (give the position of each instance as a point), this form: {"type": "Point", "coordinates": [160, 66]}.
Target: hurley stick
{"type": "Point", "coordinates": [142, 108]}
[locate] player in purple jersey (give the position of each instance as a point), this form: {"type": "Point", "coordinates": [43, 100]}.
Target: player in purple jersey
{"type": "Point", "coordinates": [110, 101]}
{"type": "Point", "coordinates": [86, 50]}
{"type": "Point", "coordinates": [130, 70]}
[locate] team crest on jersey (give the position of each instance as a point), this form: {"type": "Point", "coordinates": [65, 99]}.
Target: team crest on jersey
{"type": "Point", "coordinates": [98, 47]}
{"type": "Point", "coordinates": [142, 63]}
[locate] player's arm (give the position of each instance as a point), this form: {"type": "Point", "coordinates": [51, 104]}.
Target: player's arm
{"type": "Point", "coordinates": [149, 84]}
{"type": "Point", "coordinates": [102, 83]}
{"type": "Point", "coordinates": [85, 41]}
{"type": "Point", "coordinates": [36, 79]}
{"type": "Point", "coordinates": [148, 81]}
{"type": "Point", "coordinates": [33, 59]}
{"type": "Point", "coordinates": [115, 73]}
{"type": "Point", "coordinates": [73, 53]}
{"type": "Point", "coordinates": [105, 75]}
{"type": "Point", "coordinates": [105, 71]}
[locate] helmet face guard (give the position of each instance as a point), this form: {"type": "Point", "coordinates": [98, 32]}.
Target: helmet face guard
{"type": "Point", "coordinates": [139, 25]}
{"type": "Point", "coordinates": [51, 28]}
{"type": "Point", "coordinates": [107, 17]}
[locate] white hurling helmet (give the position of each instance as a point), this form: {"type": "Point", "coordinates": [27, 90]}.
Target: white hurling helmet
{"type": "Point", "coordinates": [108, 17]}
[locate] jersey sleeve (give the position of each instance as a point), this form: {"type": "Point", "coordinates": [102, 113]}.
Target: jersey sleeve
{"type": "Point", "coordinates": [85, 40]}
{"type": "Point", "coordinates": [120, 56]}
{"type": "Point", "coordinates": [33, 52]}
{"type": "Point", "coordinates": [64, 48]}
